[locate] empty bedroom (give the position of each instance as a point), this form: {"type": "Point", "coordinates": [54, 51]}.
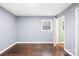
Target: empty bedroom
{"type": "Point", "coordinates": [39, 29]}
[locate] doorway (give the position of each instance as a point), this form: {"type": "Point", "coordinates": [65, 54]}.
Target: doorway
{"type": "Point", "coordinates": [61, 29]}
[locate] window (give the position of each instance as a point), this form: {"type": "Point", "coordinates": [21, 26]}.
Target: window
{"type": "Point", "coordinates": [46, 25]}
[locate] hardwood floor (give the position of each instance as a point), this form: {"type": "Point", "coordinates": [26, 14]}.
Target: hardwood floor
{"type": "Point", "coordinates": [35, 50]}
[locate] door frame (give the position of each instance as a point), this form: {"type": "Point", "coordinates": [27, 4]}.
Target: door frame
{"type": "Point", "coordinates": [57, 30]}
{"type": "Point", "coordinates": [76, 30]}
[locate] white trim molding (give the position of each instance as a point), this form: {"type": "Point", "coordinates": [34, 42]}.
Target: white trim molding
{"type": "Point", "coordinates": [76, 30]}
{"type": "Point", "coordinates": [68, 52]}
{"type": "Point", "coordinates": [7, 48]}
{"type": "Point", "coordinates": [25, 42]}
{"type": "Point", "coordinates": [33, 43]}
{"type": "Point", "coordinates": [36, 42]}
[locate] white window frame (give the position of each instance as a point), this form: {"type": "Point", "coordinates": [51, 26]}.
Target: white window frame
{"type": "Point", "coordinates": [44, 20]}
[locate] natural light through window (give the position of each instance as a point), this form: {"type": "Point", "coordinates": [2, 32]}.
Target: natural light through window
{"type": "Point", "coordinates": [46, 25]}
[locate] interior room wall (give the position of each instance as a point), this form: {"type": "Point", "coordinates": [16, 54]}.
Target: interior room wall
{"type": "Point", "coordinates": [69, 14]}
{"type": "Point", "coordinates": [7, 29]}
{"type": "Point", "coordinates": [29, 29]}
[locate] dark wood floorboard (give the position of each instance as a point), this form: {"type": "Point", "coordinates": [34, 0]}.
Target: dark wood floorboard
{"type": "Point", "coordinates": [35, 50]}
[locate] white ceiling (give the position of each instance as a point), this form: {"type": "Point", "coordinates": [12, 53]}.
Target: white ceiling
{"type": "Point", "coordinates": [35, 9]}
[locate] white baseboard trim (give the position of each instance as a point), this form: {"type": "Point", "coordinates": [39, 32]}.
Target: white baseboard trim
{"type": "Point", "coordinates": [60, 42]}
{"type": "Point", "coordinates": [36, 42]}
{"type": "Point", "coordinates": [24, 42]}
{"type": "Point", "coordinates": [7, 48]}
{"type": "Point", "coordinates": [68, 52]}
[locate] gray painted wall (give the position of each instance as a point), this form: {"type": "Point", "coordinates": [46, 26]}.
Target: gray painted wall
{"type": "Point", "coordinates": [69, 14]}
{"type": "Point", "coordinates": [29, 30]}
{"type": "Point", "coordinates": [7, 29]}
